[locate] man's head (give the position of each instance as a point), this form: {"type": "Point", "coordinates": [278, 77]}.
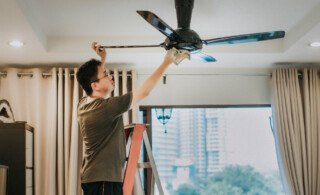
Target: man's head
{"type": "Point", "coordinates": [93, 79]}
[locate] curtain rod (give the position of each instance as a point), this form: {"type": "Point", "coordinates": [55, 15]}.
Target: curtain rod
{"type": "Point", "coordinates": [217, 74]}
{"type": "Point", "coordinates": [45, 74]}
{"type": "Point", "coordinates": [213, 74]}
{"type": "Point", "coordinates": [72, 74]}
{"type": "Point", "coordinates": [4, 74]}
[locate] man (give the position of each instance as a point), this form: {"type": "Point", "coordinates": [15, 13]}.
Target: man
{"type": "Point", "coordinates": [101, 123]}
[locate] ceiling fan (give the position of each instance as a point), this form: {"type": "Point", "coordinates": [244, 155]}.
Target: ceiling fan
{"type": "Point", "coordinates": [185, 38]}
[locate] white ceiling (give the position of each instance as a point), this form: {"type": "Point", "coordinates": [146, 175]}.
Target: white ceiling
{"type": "Point", "coordinates": [61, 31]}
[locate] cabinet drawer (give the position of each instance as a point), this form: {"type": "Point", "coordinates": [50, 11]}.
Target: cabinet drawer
{"type": "Point", "coordinates": [29, 139]}
{"type": "Point", "coordinates": [29, 190]}
{"type": "Point", "coordinates": [29, 177]}
{"type": "Point", "coordinates": [29, 157]}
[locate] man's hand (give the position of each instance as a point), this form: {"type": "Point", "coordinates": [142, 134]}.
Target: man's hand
{"type": "Point", "coordinates": [100, 51]}
{"type": "Point", "coordinates": [177, 55]}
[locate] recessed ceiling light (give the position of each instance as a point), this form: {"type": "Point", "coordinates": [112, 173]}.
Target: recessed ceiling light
{"type": "Point", "coordinates": [16, 43]}
{"type": "Point", "coordinates": [315, 44]}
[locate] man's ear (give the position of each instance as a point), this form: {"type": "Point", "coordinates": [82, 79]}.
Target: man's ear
{"type": "Point", "coordinates": [94, 86]}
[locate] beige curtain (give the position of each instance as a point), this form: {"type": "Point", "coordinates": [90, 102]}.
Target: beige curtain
{"type": "Point", "coordinates": [50, 106]}
{"type": "Point", "coordinates": [297, 117]}
{"type": "Point", "coordinates": [125, 81]}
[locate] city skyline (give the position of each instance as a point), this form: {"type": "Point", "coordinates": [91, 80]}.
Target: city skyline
{"type": "Point", "coordinates": [232, 146]}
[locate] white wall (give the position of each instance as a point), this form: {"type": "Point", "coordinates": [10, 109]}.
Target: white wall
{"type": "Point", "coordinates": [209, 90]}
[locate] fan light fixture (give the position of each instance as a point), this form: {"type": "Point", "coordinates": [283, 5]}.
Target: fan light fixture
{"type": "Point", "coordinates": [16, 43]}
{"type": "Point", "coordinates": [315, 44]}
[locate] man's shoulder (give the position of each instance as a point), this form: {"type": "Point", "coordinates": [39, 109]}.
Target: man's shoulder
{"type": "Point", "coordinates": [81, 101]}
{"type": "Point", "coordinates": [86, 105]}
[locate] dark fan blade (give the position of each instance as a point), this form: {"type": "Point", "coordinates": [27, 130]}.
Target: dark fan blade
{"type": "Point", "coordinates": [159, 24]}
{"type": "Point", "coordinates": [133, 46]}
{"type": "Point", "coordinates": [203, 57]}
{"type": "Point", "coordinates": [245, 38]}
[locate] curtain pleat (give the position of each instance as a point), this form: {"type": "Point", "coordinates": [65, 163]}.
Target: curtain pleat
{"type": "Point", "coordinates": [75, 145]}
{"type": "Point", "coordinates": [124, 91]}
{"type": "Point", "coordinates": [67, 126]}
{"type": "Point", "coordinates": [317, 105]}
{"type": "Point", "coordinates": [116, 82]}
{"type": "Point", "coordinates": [51, 186]}
{"type": "Point", "coordinates": [312, 96]}
{"type": "Point", "coordinates": [135, 108]}
{"type": "Point", "coordinates": [296, 107]}
{"type": "Point", "coordinates": [60, 132]}
{"type": "Point", "coordinates": [109, 94]}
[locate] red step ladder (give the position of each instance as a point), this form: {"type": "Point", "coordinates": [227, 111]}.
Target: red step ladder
{"type": "Point", "coordinates": [135, 133]}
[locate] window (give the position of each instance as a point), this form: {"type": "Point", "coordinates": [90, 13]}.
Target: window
{"type": "Point", "coordinates": [211, 150]}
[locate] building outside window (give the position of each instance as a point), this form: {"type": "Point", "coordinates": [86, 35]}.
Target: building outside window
{"type": "Point", "coordinates": [216, 150]}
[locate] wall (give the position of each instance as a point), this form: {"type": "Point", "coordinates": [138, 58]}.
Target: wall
{"type": "Point", "coordinates": [209, 90]}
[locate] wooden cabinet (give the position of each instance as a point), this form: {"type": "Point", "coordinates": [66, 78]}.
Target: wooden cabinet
{"type": "Point", "coordinates": [17, 152]}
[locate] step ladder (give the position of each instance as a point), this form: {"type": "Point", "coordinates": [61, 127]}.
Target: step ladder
{"type": "Point", "coordinates": [135, 133]}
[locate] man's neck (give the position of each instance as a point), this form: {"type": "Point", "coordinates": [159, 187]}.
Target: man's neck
{"type": "Point", "coordinates": [96, 94]}
{"type": "Point", "coordinates": [92, 97]}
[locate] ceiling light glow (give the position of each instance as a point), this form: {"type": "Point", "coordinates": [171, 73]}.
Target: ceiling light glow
{"type": "Point", "coordinates": [315, 44]}
{"type": "Point", "coordinates": [16, 43]}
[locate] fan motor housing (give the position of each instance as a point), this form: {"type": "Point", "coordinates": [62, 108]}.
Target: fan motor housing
{"type": "Point", "coordinates": [189, 40]}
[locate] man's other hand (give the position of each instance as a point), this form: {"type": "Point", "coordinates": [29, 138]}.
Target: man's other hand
{"type": "Point", "coordinates": [101, 51]}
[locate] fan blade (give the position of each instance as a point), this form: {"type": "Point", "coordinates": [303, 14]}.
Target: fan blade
{"type": "Point", "coordinates": [199, 55]}
{"type": "Point", "coordinates": [159, 24]}
{"type": "Point", "coordinates": [245, 38]}
{"type": "Point", "coordinates": [133, 46]}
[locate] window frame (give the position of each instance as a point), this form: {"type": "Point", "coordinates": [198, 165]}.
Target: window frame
{"type": "Point", "coordinates": [147, 119]}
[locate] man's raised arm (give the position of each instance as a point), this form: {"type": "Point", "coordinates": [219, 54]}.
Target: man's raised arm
{"type": "Point", "coordinates": [146, 87]}
{"type": "Point", "coordinates": [100, 51]}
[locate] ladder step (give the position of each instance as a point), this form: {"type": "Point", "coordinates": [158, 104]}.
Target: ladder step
{"type": "Point", "coordinates": [144, 165]}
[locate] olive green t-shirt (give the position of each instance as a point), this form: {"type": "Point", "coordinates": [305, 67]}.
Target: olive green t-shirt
{"type": "Point", "coordinates": [102, 129]}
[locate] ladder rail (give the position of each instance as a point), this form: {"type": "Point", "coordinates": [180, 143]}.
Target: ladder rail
{"type": "Point", "coordinates": [152, 163]}
{"type": "Point", "coordinates": [132, 183]}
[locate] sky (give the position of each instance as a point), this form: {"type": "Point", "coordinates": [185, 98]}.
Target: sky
{"type": "Point", "coordinates": [249, 138]}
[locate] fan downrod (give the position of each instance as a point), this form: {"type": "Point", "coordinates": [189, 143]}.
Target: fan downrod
{"type": "Point", "coordinates": [187, 39]}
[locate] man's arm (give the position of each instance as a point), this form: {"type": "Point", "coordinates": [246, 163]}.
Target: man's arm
{"type": "Point", "coordinates": [100, 51]}
{"type": "Point", "coordinates": [146, 87]}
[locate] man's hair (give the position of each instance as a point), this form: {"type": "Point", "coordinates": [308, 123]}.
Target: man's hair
{"type": "Point", "coordinates": [88, 73]}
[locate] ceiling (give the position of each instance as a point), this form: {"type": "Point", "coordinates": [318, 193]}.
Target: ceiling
{"type": "Point", "coordinates": [61, 31]}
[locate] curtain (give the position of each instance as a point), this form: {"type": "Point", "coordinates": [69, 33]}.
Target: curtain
{"type": "Point", "coordinates": [296, 107]}
{"type": "Point", "coordinates": [49, 104]}
{"type": "Point", "coordinates": [125, 81]}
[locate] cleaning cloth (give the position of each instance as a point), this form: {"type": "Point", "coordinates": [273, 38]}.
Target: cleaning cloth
{"type": "Point", "coordinates": [173, 53]}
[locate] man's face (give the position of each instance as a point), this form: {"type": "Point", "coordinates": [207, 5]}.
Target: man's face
{"type": "Point", "coordinates": [105, 83]}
